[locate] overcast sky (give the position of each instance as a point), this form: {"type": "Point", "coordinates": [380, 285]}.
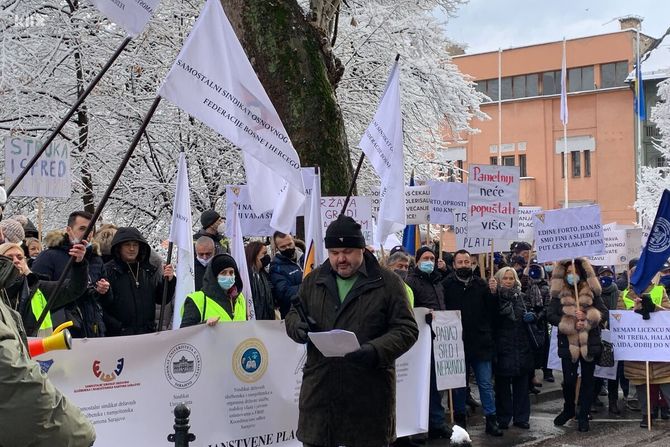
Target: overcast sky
{"type": "Point", "coordinates": [485, 25]}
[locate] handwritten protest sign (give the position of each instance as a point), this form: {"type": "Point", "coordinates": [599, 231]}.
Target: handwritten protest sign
{"type": "Point", "coordinates": [50, 177]}
{"type": "Point", "coordinates": [445, 197]}
{"type": "Point", "coordinates": [638, 339]}
{"type": "Point", "coordinates": [493, 201]}
{"type": "Point", "coordinates": [526, 214]}
{"type": "Point", "coordinates": [568, 233]}
{"type": "Point", "coordinates": [252, 223]}
{"type": "Point", "coordinates": [417, 203]}
{"type": "Point", "coordinates": [616, 252]}
{"type": "Point", "coordinates": [358, 208]}
{"type": "Point", "coordinates": [474, 245]}
{"type": "Point", "coordinates": [448, 349]}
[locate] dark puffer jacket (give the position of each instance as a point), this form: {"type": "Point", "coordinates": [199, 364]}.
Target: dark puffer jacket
{"type": "Point", "coordinates": [286, 277]}
{"type": "Point", "coordinates": [427, 289]}
{"type": "Point", "coordinates": [514, 353]}
{"type": "Point", "coordinates": [342, 402]}
{"type": "Point", "coordinates": [129, 309]}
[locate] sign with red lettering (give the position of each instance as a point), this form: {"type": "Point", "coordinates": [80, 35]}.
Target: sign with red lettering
{"type": "Point", "coordinates": [493, 202]}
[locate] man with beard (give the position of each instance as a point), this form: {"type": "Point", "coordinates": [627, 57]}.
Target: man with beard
{"type": "Point", "coordinates": [285, 271]}
{"type": "Point", "coordinates": [477, 302]}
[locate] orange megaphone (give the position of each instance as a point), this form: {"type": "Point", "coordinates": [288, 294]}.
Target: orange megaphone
{"type": "Point", "coordinates": [60, 339]}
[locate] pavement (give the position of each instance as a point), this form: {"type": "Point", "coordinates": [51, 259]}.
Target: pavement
{"type": "Point", "coordinates": [606, 430]}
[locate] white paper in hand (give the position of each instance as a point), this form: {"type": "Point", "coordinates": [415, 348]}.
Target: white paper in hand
{"type": "Point", "coordinates": [335, 343]}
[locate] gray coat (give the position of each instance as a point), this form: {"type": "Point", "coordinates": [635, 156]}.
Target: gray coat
{"type": "Point", "coordinates": [342, 403]}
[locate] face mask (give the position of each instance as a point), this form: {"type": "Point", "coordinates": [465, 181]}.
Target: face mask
{"type": "Point", "coordinates": [606, 281]}
{"type": "Point", "coordinates": [403, 273]}
{"type": "Point", "coordinates": [226, 282]}
{"type": "Point", "coordinates": [288, 253]}
{"type": "Point", "coordinates": [665, 280]}
{"type": "Point", "coordinates": [204, 262]}
{"type": "Point", "coordinates": [426, 266]}
{"type": "Point", "coordinates": [549, 268]}
{"type": "Point", "coordinates": [571, 278]}
{"type": "Point", "coordinates": [265, 261]}
{"type": "Point", "coordinates": [221, 229]}
{"type": "Point", "coordinates": [464, 272]}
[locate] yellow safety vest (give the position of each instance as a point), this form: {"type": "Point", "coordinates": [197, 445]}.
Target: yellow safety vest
{"type": "Point", "coordinates": [37, 303]}
{"type": "Point", "coordinates": [656, 297]}
{"type": "Point", "coordinates": [410, 295]}
{"type": "Point", "coordinates": [213, 309]}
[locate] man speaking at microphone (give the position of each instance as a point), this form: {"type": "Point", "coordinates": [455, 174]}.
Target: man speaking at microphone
{"type": "Point", "coordinates": [350, 400]}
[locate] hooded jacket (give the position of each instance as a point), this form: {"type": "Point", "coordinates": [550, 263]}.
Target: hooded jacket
{"type": "Point", "coordinates": [574, 343]}
{"type": "Point", "coordinates": [213, 291]}
{"type": "Point", "coordinates": [130, 309]}
{"type": "Point", "coordinates": [34, 413]}
{"type": "Point", "coordinates": [286, 277]}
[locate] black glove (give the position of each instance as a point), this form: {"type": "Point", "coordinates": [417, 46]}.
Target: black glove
{"type": "Point", "coordinates": [429, 318]}
{"type": "Point", "coordinates": [366, 356]}
{"type": "Point", "coordinates": [301, 331]}
{"type": "Point", "coordinates": [647, 306]}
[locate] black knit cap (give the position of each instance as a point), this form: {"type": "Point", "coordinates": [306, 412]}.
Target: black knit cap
{"type": "Point", "coordinates": [222, 261]}
{"type": "Point", "coordinates": [344, 232]}
{"type": "Point", "coordinates": [207, 218]}
{"type": "Point", "coordinates": [421, 251]}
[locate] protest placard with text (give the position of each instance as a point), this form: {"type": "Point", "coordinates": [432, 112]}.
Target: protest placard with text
{"type": "Point", "coordinates": [252, 222]}
{"type": "Point", "coordinates": [493, 201]}
{"type": "Point", "coordinates": [358, 208]}
{"type": "Point", "coordinates": [637, 339]}
{"type": "Point", "coordinates": [568, 233]}
{"type": "Point", "coordinates": [448, 348]}
{"type": "Point", "coordinates": [445, 197]}
{"type": "Point", "coordinates": [417, 203]}
{"type": "Point", "coordinates": [616, 251]}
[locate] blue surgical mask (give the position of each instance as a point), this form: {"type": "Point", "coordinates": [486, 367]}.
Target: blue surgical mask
{"type": "Point", "coordinates": [571, 278]}
{"type": "Point", "coordinates": [426, 266]}
{"type": "Point", "coordinates": [606, 281]}
{"type": "Point", "coordinates": [665, 280]}
{"type": "Point", "coordinates": [549, 268]}
{"type": "Point", "coordinates": [226, 282]}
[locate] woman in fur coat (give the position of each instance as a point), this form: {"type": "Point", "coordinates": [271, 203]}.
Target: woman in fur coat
{"type": "Point", "coordinates": [579, 342]}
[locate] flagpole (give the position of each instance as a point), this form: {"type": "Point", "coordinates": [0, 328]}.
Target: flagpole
{"type": "Point", "coordinates": [638, 81]}
{"type": "Point", "coordinates": [67, 116]}
{"type": "Point", "coordinates": [564, 97]}
{"type": "Point", "coordinates": [98, 209]}
{"type": "Point", "coordinates": [499, 106]}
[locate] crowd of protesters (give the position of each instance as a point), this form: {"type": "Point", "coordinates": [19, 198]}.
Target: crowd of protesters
{"type": "Point", "coordinates": [508, 308]}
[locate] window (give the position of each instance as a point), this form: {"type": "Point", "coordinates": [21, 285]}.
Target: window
{"type": "Point", "coordinates": [551, 83]}
{"type": "Point", "coordinates": [519, 86]}
{"type": "Point", "coordinates": [576, 164]}
{"type": "Point", "coordinates": [506, 86]}
{"type": "Point", "coordinates": [532, 82]}
{"type": "Point", "coordinates": [507, 160]}
{"type": "Point", "coordinates": [587, 163]}
{"type": "Point", "coordinates": [522, 166]}
{"type": "Point", "coordinates": [580, 79]}
{"type": "Point", "coordinates": [613, 74]}
{"type": "Point", "coordinates": [562, 164]}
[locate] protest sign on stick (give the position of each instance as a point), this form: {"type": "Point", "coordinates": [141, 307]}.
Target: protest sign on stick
{"type": "Point", "coordinates": [448, 349]}
{"type": "Point", "coordinates": [568, 233]}
{"type": "Point", "coordinates": [493, 201]}
{"type": "Point", "coordinates": [445, 198]}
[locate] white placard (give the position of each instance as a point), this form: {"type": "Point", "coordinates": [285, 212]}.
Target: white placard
{"type": "Point", "coordinates": [49, 177]}
{"type": "Point", "coordinates": [241, 381]}
{"type": "Point", "coordinates": [493, 201]}
{"type": "Point", "coordinates": [358, 208]}
{"type": "Point", "coordinates": [474, 245]}
{"type": "Point", "coordinates": [554, 362]}
{"type": "Point", "coordinates": [448, 350]}
{"type": "Point", "coordinates": [445, 198]}
{"type": "Point", "coordinates": [253, 224]}
{"type": "Point", "coordinates": [417, 203]}
{"type": "Point", "coordinates": [568, 233]}
{"type": "Point", "coordinates": [638, 339]}
{"type": "Point", "coordinates": [526, 214]}
{"type": "Point", "coordinates": [616, 249]}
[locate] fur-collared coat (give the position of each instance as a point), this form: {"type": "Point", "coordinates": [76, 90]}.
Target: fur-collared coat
{"type": "Point", "coordinates": [574, 343]}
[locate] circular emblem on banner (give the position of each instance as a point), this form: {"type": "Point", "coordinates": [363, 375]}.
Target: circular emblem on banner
{"type": "Point", "coordinates": [250, 360]}
{"type": "Point", "coordinates": [659, 239]}
{"type": "Point", "coordinates": [183, 366]}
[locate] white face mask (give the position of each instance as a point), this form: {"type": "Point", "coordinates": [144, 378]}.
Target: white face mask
{"type": "Point", "coordinates": [221, 229]}
{"type": "Point", "coordinates": [204, 262]}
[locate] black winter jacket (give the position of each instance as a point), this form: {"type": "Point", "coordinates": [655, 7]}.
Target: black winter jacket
{"type": "Point", "coordinates": [130, 309]}
{"type": "Point", "coordinates": [286, 277]}
{"type": "Point", "coordinates": [479, 308]}
{"type": "Point", "coordinates": [514, 353]}
{"type": "Point", "coordinates": [427, 289]}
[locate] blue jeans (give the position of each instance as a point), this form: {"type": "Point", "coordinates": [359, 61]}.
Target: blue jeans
{"type": "Point", "coordinates": [482, 370]}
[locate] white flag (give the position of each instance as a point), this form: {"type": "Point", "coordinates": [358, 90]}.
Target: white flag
{"type": "Point", "coordinates": [314, 235]}
{"type": "Point", "coordinates": [181, 237]}
{"type": "Point", "coordinates": [213, 80]}
{"type": "Point", "coordinates": [131, 15]}
{"type": "Point", "coordinates": [237, 252]}
{"type": "Point", "coordinates": [382, 144]}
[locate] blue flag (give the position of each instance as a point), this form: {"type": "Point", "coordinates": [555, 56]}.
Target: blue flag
{"type": "Point", "coordinates": [411, 238]}
{"type": "Point", "coordinates": [657, 249]}
{"type": "Point", "coordinates": [640, 105]}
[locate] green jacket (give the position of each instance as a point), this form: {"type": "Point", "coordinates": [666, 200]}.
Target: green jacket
{"type": "Point", "coordinates": [32, 412]}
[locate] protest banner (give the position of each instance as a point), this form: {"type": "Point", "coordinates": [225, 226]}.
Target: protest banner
{"type": "Point", "coordinates": [616, 249]}
{"type": "Point", "coordinates": [493, 201]}
{"type": "Point", "coordinates": [568, 233]}
{"type": "Point", "coordinates": [448, 348]}
{"type": "Point", "coordinates": [474, 245]}
{"type": "Point", "coordinates": [526, 214]}
{"type": "Point", "coordinates": [253, 223]}
{"type": "Point", "coordinates": [417, 204]}
{"type": "Point", "coordinates": [49, 177]}
{"type": "Point", "coordinates": [359, 209]}
{"type": "Point", "coordinates": [131, 15]}
{"type": "Point", "coordinates": [637, 339]}
{"type": "Point", "coordinates": [241, 381]}
{"type": "Point", "coordinates": [554, 362]}
{"type": "Point", "coordinates": [445, 197]}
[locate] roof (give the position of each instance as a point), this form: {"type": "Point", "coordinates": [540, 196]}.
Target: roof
{"type": "Point", "coordinates": [656, 62]}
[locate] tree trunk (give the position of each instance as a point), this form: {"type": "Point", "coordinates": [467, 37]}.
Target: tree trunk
{"type": "Point", "coordinates": [82, 126]}
{"type": "Point", "coordinates": [295, 65]}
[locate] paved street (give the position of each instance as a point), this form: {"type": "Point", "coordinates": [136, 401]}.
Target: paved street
{"type": "Point", "coordinates": [605, 431]}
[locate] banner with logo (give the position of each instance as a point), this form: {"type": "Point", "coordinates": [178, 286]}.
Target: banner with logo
{"type": "Point", "coordinates": [358, 208]}
{"type": "Point", "coordinates": [253, 224]}
{"type": "Point", "coordinates": [50, 177]}
{"type": "Point", "coordinates": [568, 233]}
{"type": "Point", "coordinates": [493, 201]}
{"type": "Point", "coordinates": [637, 339]}
{"type": "Point", "coordinates": [448, 350]}
{"type": "Point", "coordinates": [241, 381]}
